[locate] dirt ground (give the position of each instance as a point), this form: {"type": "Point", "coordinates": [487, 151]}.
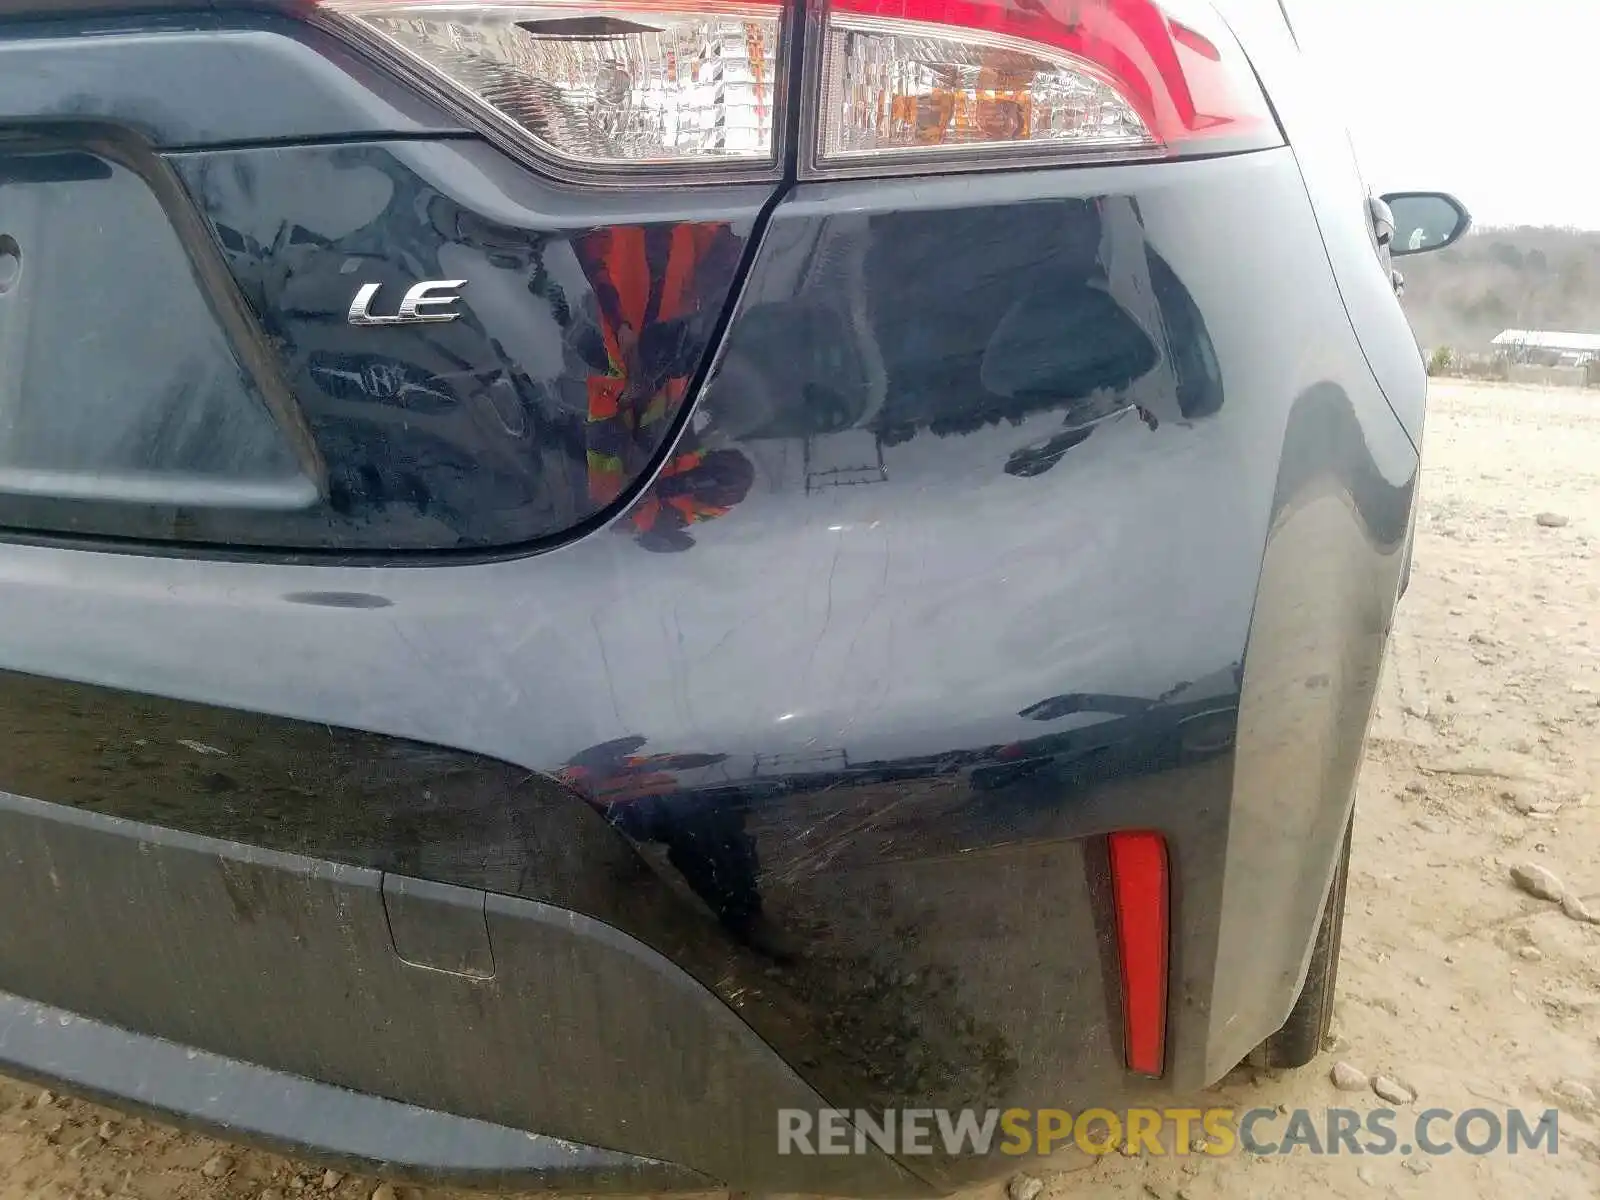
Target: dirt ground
{"type": "Point", "coordinates": [1483, 756]}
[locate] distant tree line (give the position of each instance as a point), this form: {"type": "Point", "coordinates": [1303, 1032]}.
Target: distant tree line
{"type": "Point", "coordinates": [1497, 279]}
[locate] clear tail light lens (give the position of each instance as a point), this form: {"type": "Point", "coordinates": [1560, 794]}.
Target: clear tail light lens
{"type": "Point", "coordinates": [693, 89]}
{"type": "Point", "coordinates": [943, 89]}
{"type": "Point", "coordinates": [600, 85]}
{"type": "Point", "coordinates": [990, 81]}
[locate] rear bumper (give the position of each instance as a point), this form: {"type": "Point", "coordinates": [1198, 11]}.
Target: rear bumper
{"type": "Point", "coordinates": [431, 1070]}
{"type": "Point", "coordinates": [293, 1115]}
{"type": "Point", "coordinates": [1070, 505]}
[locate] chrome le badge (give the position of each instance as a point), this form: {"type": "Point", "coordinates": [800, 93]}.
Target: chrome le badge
{"type": "Point", "coordinates": [426, 303]}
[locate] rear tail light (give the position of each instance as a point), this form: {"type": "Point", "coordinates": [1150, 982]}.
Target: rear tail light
{"type": "Point", "coordinates": [694, 88]}
{"type": "Point", "coordinates": [995, 82]}
{"type": "Point", "coordinates": [890, 88]}
{"type": "Point", "coordinates": [596, 85]}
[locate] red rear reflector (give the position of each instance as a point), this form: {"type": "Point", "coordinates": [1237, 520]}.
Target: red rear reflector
{"type": "Point", "coordinates": [1139, 895]}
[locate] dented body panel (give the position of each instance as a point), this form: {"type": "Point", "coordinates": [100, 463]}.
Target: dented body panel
{"type": "Point", "coordinates": [768, 768]}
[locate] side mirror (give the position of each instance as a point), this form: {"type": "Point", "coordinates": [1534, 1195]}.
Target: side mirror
{"type": "Point", "coordinates": [1425, 221]}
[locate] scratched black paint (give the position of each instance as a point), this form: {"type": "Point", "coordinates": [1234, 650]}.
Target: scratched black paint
{"type": "Point", "coordinates": [1019, 508]}
{"type": "Point", "coordinates": [534, 412]}
{"type": "Point", "coordinates": [479, 433]}
{"type": "Point", "coordinates": [1025, 522]}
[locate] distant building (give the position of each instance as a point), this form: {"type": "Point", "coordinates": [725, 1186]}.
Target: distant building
{"type": "Point", "coordinates": [1548, 349]}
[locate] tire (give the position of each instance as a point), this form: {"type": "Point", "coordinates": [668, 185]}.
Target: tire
{"type": "Point", "coordinates": [1301, 1038]}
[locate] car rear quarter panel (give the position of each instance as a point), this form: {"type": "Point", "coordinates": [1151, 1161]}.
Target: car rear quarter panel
{"type": "Point", "coordinates": [1215, 530]}
{"type": "Point", "coordinates": [1307, 91]}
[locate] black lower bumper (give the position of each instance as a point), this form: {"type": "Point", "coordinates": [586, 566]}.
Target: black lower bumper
{"type": "Point", "coordinates": [293, 1115]}
{"type": "Point", "coordinates": [225, 957]}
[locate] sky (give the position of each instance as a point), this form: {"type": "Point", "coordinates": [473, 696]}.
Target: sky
{"type": "Point", "coordinates": [1493, 100]}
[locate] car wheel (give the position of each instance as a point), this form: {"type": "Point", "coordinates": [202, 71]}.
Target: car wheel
{"type": "Point", "coordinates": [1300, 1040]}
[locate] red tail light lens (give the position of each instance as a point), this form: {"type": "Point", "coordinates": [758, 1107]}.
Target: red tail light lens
{"type": "Point", "coordinates": [993, 82]}
{"type": "Point", "coordinates": [1139, 896]}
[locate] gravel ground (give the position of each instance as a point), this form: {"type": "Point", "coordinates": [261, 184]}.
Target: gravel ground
{"type": "Point", "coordinates": [1456, 982]}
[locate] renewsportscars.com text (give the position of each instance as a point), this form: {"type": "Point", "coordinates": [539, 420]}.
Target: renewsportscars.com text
{"type": "Point", "coordinates": [1174, 1131]}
